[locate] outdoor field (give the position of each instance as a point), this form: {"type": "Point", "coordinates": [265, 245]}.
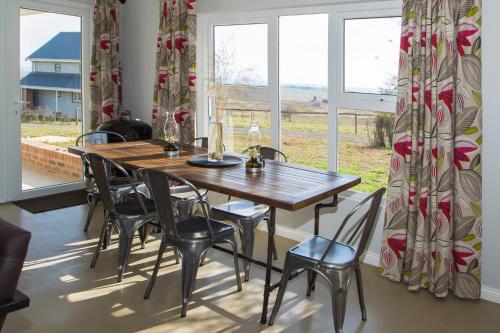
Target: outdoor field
{"type": "Point", "coordinates": [304, 134]}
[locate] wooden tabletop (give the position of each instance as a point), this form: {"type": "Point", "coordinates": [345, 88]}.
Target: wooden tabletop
{"type": "Point", "coordinates": [281, 185]}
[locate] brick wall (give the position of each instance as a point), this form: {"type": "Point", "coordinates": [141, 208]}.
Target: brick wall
{"type": "Point", "coordinates": [51, 159]}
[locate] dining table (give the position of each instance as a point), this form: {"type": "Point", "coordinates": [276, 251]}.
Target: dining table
{"type": "Point", "coordinates": [280, 185]}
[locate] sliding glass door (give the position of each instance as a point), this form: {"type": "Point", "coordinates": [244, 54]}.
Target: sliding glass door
{"type": "Point", "coordinates": [45, 110]}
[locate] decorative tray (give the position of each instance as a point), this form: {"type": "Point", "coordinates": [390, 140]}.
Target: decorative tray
{"type": "Point", "coordinates": [227, 161]}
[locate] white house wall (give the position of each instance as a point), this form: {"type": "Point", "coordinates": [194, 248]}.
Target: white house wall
{"type": "Point", "coordinates": [49, 67]}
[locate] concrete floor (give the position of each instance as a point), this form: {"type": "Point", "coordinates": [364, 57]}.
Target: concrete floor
{"type": "Point", "coordinates": [33, 178]}
{"type": "Point", "coordinates": [68, 296]}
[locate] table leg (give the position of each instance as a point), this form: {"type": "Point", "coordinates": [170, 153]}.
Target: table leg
{"type": "Point", "coordinates": [269, 263]}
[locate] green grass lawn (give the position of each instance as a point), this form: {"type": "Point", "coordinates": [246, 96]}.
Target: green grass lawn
{"type": "Point", "coordinates": [303, 140]}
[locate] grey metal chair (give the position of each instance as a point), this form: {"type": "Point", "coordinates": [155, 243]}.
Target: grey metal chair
{"type": "Point", "coordinates": [127, 216]}
{"type": "Point", "coordinates": [191, 237]}
{"type": "Point", "coordinates": [93, 197]}
{"type": "Point", "coordinates": [334, 260]}
{"type": "Point", "coordinates": [247, 215]}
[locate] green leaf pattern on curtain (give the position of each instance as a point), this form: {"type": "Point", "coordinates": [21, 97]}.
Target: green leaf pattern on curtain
{"type": "Point", "coordinates": [105, 78]}
{"type": "Point", "coordinates": [432, 232]}
{"type": "Point", "coordinates": [175, 82]}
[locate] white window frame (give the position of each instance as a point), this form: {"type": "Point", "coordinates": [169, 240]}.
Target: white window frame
{"type": "Point", "coordinates": [337, 98]}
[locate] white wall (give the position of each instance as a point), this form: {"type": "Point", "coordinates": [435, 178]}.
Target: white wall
{"type": "Point", "coordinates": [491, 156]}
{"type": "Point", "coordinates": [138, 31]}
{"type": "Point", "coordinates": [49, 67]}
{"type": "Point", "coordinates": [139, 28]}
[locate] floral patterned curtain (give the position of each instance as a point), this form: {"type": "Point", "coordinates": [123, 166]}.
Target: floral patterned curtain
{"type": "Point", "coordinates": [432, 231]}
{"type": "Point", "coordinates": [175, 81]}
{"type": "Point", "coordinates": [105, 79]}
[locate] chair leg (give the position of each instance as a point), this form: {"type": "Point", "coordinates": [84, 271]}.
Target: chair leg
{"type": "Point", "coordinates": [176, 255]}
{"type": "Point", "coordinates": [359, 282]}
{"type": "Point", "coordinates": [107, 238]}
{"type": "Point", "coordinates": [144, 233]}
{"type": "Point", "coordinates": [287, 270]}
{"type": "Point", "coordinates": [152, 280]}
{"type": "Point", "coordinates": [90, 213]}
{"type": "Point", "coordinates": [203, 257]}
{"type": "Point", "coordinates": [339, 282]}
{"type": "Point", "coordinates": [236, 264]}
{"type": "Point", "coordinates": [124, 246]}
{"type": "Point", "coordinates": [247, 236]}
{"type": "Point", "coordinates": [99, 244]}
{"type": "Point", "coordinates": [190, 263]}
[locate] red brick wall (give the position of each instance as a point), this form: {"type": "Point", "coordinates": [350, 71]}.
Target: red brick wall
{"type": "Point", "coordinates": [51, 159]}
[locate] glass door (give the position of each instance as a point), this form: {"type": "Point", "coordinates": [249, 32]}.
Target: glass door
{"type": "Point", "coordinates": [47, 86]}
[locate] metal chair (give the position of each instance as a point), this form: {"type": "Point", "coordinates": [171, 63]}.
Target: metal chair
{"type": "Point", "coordinates": [93, 197]}
{"type": "Point", "coordinates": [247, 215]}
{"type": "Point", "coordinates": [334, 260]}
{"type": "Point", "coordinates": [126, 216]}
{"type": "Point", "coordinates": [201, 142]}
{"type": "Point", "coordinates": [191, 237]}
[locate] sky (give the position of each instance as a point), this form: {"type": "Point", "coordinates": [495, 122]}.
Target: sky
{"type": "Point", "coordinates": [38, 29]}
{"type": "Point", "coordinates": [371, 50]}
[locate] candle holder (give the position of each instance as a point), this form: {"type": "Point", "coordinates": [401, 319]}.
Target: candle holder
{"type": "Point", "coordinates": [256, 163]}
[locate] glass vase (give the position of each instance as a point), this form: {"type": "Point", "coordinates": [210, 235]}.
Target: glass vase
{"type": "Point", "coordinates": [215, 139]}
{"type": "Point", "coordinates": [171, 131]}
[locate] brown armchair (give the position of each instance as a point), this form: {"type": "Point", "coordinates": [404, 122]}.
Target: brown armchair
{"type": "Point", "coordinates": [14, 243]}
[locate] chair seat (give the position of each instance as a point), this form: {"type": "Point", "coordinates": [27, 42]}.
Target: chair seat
{"type": "Point", "coordinates": [196, 228]}
{"type": "Point", "coordinates": [132, 207]}
{"type": "Point", "coordinates": [314, 247]}
{"type": "Point", "coordinates": [240, 209]}
{"type": "Point", "coordinates": [184, 192]}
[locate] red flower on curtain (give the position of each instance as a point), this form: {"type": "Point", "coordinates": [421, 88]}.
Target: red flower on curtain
{"type": "Point", "coordinates": [405, 41]}
{"type": "Point", "coordinates": [459, 253]}
{"type": "Point", "coordinates": [397, 243]}
{"type": "Point", "coordinates": [463, 37]}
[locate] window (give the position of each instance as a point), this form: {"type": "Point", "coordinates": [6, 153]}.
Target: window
{"type": "Point", "coordinates": [371, 54]}
{"type": "Point", "coordinates": [57, 67]}
{"type": "Point", "coordinates": [241, 76]}
{"type": "Point", "coordinates": [364, 146]}
{"type": "Point", "coordinates": [77, 97]}
{"type": "Point", "coordinates": [303, 75]}
{"type": "Point", "coordinates": [319, 81]}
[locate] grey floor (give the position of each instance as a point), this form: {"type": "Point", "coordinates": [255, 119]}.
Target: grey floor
{"type": "Point", "coordinates": [68, 296]}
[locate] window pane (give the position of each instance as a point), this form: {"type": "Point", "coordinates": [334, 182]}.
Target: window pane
{"type": "Point", "coordinates": [303, 43]}
{"type": "Point", "coordinates": [365, 140]}
{"type": "Point", "coordinates": [240, 112]}
{"type": "Point", "coordinates": [372, 55]}
{"type": "Point", "coordinates": [240, 54]}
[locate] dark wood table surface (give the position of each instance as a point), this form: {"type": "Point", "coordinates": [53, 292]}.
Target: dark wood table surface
{"type": "Point", "coordinates": [280, 185]}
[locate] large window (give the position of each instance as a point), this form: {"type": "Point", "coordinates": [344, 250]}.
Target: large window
{"type": "Point", "coordinates": [371, 55]}
{"type": "Point", "coordinates": [240, 79]}
{"type": "Point", "coordinates": [319, 83]}
{"type": "Point", "coordinates": [303, 74]}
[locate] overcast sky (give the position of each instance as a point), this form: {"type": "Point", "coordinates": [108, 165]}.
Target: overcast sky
{"type": "Point", "coordinates": [371, 47]}
{"type": "Point", "coordinates": [371, 52]}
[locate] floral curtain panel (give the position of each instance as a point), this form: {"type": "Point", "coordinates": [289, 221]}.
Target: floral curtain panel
{"type": "Point", "coordinates": [175, 81]}
{"type": "Point", "coordinates": [105, 79]}
{"type": "Point", "coordinates": [432, 231]}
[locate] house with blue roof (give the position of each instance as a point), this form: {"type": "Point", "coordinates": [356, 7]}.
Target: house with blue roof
{"type": "Point", "coordinates": [54, 83]}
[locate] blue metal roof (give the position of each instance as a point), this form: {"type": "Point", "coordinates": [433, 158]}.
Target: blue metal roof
{"type": "Point", "coordinates": [64, 46]}
{"type": "Point", "coordinates": [52, 80]}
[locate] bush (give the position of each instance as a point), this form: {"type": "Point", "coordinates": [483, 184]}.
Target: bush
{"type": "Point", "coordinates": [382, 129]}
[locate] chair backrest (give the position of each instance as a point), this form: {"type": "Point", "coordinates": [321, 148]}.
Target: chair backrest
{"type": "Point", "coordinates": [96, 138]}
{"type": "Point", "coordinates": [101, 170]}
{"type": "Point", "coordinates": [99, 137]}
{"type": "Point", "coordinates": [272, 154]}
{"type": "Point", "coordinates": [364, 224]}
{"type": "Point", "coordinates": [158, 183]}
{"type": "Point", "coordinates": [201, 141]}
